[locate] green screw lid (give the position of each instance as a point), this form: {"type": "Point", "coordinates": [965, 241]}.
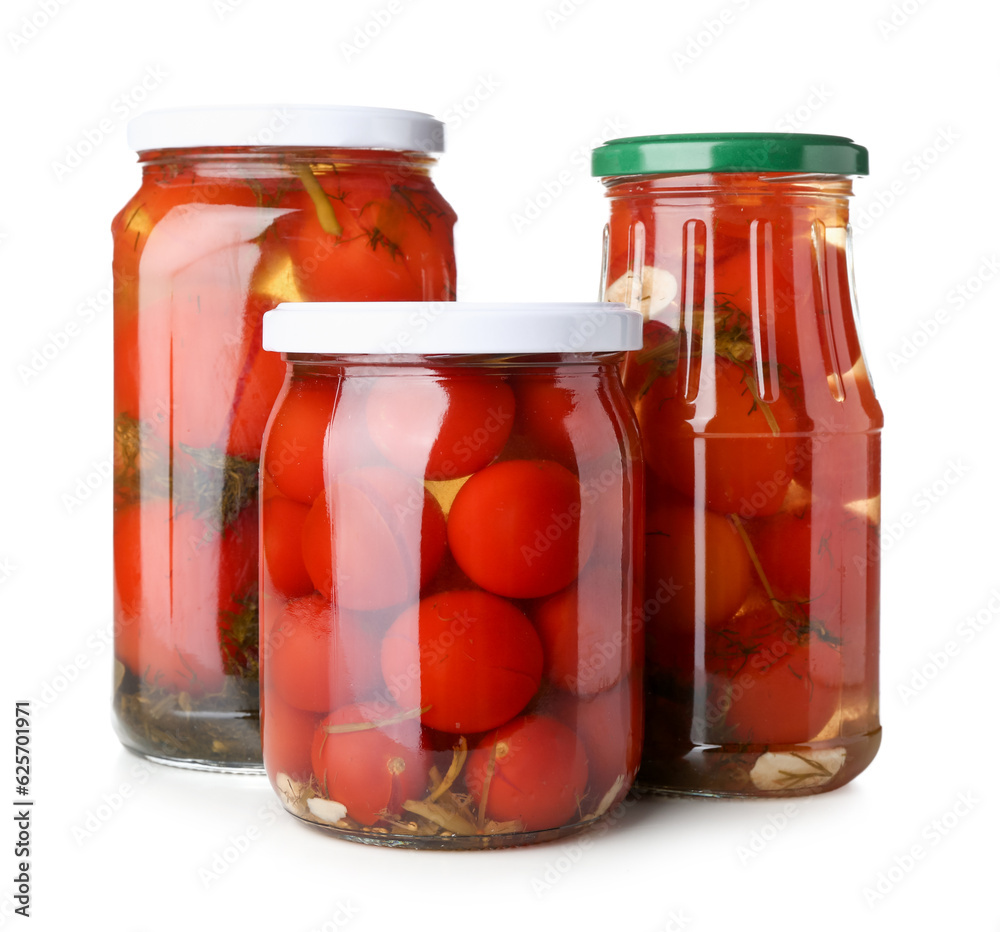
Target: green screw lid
{"type": "Point", "coordinates": [730, 152]}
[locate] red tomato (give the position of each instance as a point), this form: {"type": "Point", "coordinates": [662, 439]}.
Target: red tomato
{"type": "Point", "coordinates": [372, 771]}
{"type": "Point", "coordinates": [783, 543]}
{"type": "Point", "coordinates": [282, 521]}
{"type": "Point", "coordinates": [178, 583]}
{"type": "Point", "coordinates": [320, 657]}
{"type": "Point", "coordinates": [564, 419]}
{"type": "Point", "coordinates": [373, 538]}
{"type": "Point", "coordinates": [746, 467]}
{"type": "Point", "coordinates": [471, 660]}
{"type": "Point", "coordinates": [537, 771]}
{"type": "Point", "coordinates": [770, 684]}
{"type": "Point", "coordinates": [515, 528]}
{"type": "Point", "coordinates": [286, 736]}
{"type": "Point", "coordinates": [583, 630]}
{"type": "Point", "coordinates": [691, 579]}
{"type": "Point", "coordinates": [656, 360]}
{"type": "Point", "coordinates": [610, 726]}
{"type": "Point", "coordinates": [443, 427]}
{"type": "Point", "coordinates": [256, 394]}
{"type": "Point", "coordinates": [361, 263]}
{"type": "Point", "coordinates": [295, 441]}
{"type": "Point", "coordinates": [816, 563]}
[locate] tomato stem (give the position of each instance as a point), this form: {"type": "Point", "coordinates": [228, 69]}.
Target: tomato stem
{"type": "Point", "coordinates": [460, 753]}
{"type": "Point", "coordinates": [381, 723]}
{"type": "Point", "coordinates": [324, 209]}
{"type": "Point", "coordinates": [491, 766]}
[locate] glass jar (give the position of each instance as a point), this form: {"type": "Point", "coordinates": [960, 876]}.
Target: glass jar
{"type": "Point", "coordinates": [760, 430]}
{"type": "Point", "coordinates": [238, 211]}
{"type": "Point", "coordinates": [450, 579]}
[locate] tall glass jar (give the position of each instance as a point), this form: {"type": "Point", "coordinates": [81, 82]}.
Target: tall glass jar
{"type": "Point", "coordinates": [761, 437]}
{"type": "Point", "coordinates": [238, 211]}
{"type": "Point", "coordinates": [450, 588]}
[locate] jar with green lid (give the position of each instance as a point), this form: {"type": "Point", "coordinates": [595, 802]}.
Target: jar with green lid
{"type": "Point", "coordinates": [761, 432]}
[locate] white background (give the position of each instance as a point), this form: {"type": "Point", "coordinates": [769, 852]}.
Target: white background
{"type": "Point", "coordinates": [526, 89]}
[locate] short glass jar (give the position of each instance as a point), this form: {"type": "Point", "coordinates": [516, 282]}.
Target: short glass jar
{"type": "Point", "coordinates": [761, 436]}
{"type": "Point", "coordinates": [451, 528]}
{"type": "Point", "coordinates": [239, 209]}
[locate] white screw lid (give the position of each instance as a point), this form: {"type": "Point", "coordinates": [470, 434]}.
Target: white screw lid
{"type": "Point", "coordinates": [285, 127]}
{"type": "Point", "coordinates": [450, 328]}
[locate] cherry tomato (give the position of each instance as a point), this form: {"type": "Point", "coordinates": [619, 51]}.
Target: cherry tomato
{"type": "Point", "coordinates": [687, 586]}
{"type": "Point", "coordinates": [746, 467]}
{"type": "Point", "coordinates": [295, 442]}
{"type": "Point", "coordinates": [320, 657]}
{"type": "Point", "coordinates": [440, 428]}
{"type": "Point", "coordinates": [282, 521]}
{"type": "Point", "coordinates": [532, 770]}
{"type": "Point", "coordinates": [373, 538]}
{"type": "Point", "coordinates": [369, 259]}
{"type": "Point", "coordinates": [783, 543]}
{"type": "Point", "coordinates": [515, 528]}
{"type": "Point", "coordinates": [256, 395]}
{"type": "Point", "coordinates": [767, 687]}
{"type": "Point", "coordinates": [610, 726]}
{"type": "Point", "coordinates": [656, 360]}
{"type": "Point", "coordinates": [178, 585]}
{"type": "Point", "coordinates": [286, 736]}
{"type": "Point", "coordinates": [583, 629]}
{"type": "Point", "coordinates": [563, 419]}
{"type": "Point", "coordinates": [370, 770]}
{"type": "Point", "coordinates": [819, 565]}
{"type": "Point", "coordinates": [471, 660]}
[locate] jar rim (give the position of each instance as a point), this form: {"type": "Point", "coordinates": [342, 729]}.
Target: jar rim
{"type": "Point", "coordinates": [282, 127]}
{"type": "Point", "coordinates": [383, 328]}
{"type": "Point", "coordinates": [683, 153]}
